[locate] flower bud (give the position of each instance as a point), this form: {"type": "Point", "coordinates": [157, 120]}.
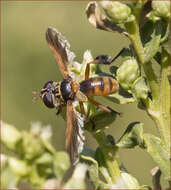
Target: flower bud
{"type": "Point", "coordinates": [127, 73]}
{"type": "Point", "coordinates": [161, 8]}
{"type": "Point", "coordinates": [61, 164]}
{"type": "Point", "coordinates": [140, 88]}
{"type": "Point", "coordinates": [19, 167]}
{"type": "Point", "coordinates": [118, 12]}
{"type": "Point", "coordinates": [32, 146]}
{"type": "Point", "coordinates": [10, 135]}
{"type": "Point", "coordinates": [45, 158]}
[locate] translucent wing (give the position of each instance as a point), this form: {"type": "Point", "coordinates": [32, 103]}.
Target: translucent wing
{"type": "Point", "coordinates": [60, 48]}
{"type": "Point", "coordinates": [74, 133]}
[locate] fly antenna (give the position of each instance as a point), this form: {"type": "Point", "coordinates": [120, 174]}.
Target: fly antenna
{"type": "Point", "coordinates": [36, 97]}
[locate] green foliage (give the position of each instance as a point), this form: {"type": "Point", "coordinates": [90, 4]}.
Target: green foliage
{"type": "Point", "coordinates": [36, 160]}
{"type": "Point", "coordinates": [149, 42]}
{"type": "Point", "coordinates": [157, 150]}
{"type": "Point", "coordinates": [132, 136]}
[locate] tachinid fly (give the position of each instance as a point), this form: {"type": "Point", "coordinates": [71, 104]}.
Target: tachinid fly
{"type": "Point", "coordinates": [69, 91]}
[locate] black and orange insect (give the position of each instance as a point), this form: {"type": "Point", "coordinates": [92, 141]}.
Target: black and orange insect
{"type": "Point", "coordinates": [65, 93]}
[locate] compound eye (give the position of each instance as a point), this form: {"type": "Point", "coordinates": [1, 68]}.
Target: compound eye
{"type": "Point", "coordinates": [48, 84]}
{"type": "Point", "coordinates": [47, 99]}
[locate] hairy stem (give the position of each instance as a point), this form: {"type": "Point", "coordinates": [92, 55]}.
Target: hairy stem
{"type": "Point", "coordinates": [165, 96]}
{"type": "Point", "coordinates": [152, 81]}
{"type": "Point", "coordinates": [158, 108]}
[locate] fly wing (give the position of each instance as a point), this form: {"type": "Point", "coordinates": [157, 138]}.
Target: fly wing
{"type": "Point", "coordinates": [60, 48]}
{"type": "Point", "coordinates": [74, 132]}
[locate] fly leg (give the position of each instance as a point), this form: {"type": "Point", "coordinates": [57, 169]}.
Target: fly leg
{"type": "Point", "coordinates": [101, 59]}
{"type": "Point", "coordinates": [82, 109]}
{"type": "Point", "coordinates": [102, 107]}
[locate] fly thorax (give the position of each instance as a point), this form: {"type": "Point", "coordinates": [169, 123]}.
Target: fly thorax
{"type": "Point", "coordinates": [67, 90]}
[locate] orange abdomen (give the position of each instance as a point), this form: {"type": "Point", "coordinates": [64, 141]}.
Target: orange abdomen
{"type": "Point", "coordinates": [99, 86]}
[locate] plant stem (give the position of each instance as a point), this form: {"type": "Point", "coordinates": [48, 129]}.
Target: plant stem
{"type": "Point", "coordinates": [158, 108]}
{"type": "Point", "coordinates": [134, 35]}
{"type": "Point", "coordinates": [165, 96]}
{"type": "Point", "coordinates": [152, 81]}
{"type": "Point", "coordinates": [133, 30]}
{"type": "Point", "coordinates": [109, 155]}
{"type": "Point", "coordinates": [161, 121]}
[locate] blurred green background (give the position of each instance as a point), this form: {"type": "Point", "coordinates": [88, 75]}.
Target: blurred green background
{"type": "Point", "coordinates": [27, 63]}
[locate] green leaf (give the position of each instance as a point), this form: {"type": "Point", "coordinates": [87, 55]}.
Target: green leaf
{"type": "Point", "coordinates": [77, 181]}
{"type": "Point", "coordinates": [132, 136]}
{"type": "Point", "coordinates": [9, 180]}
{"type": "Point", "coordinates": [121, 97]}
{"type": "Point", "coordinates": [94, 173]}
{"type": "Point", "coordinates": [100, 120]}
{"type": "Point", "coordinates": [19, 167]}
{"type": "Point", "coordinates": [130, 181]}
{"type": "Point", "coordinates": [61, 164]}
{"type": "Point", "coordinates": [146, 31]}
{"type": "Point", "coordinates": [157, 150]}
{"type": "Point", "coordinates": [10, 136]}
{"type": "Point", "coordinates": [102, 165]}
{"type": "Point", "coordinates": [152, 46]}
{"type": "Point", "coordinates": [48, 146]}
{"type": "Point", "coordinates": [35, 179]}
{"type": "Point", "coordinates": [140, 89]}
{"type": "Point", "coordinates": [45, 170]}
{"type": "Point", "coordinates": [46, 158]}
{"type": "Point", "coordinates": [166, 45]}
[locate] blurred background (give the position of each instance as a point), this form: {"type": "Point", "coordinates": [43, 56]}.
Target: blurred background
{"type": "Point", "coordinates": [27, 63]}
